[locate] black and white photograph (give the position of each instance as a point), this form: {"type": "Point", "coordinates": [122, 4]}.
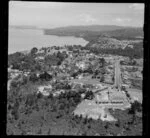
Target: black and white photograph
{"type": "Point", "coordinates": [75, 68]}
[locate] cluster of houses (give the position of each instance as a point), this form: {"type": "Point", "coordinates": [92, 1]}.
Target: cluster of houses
{"type": "Point", "coordinates": [131, 73]}
{"type": "Point", "coordinates": [107, 42]}
{"type": "Point", "coordinates": [46, 90]}
{"type": "Point", "coordinates": [106, 95]}
{"type": "Point", "coordinates": [14, 72]}
{"type": "Point", "coordinates": [104, 98]}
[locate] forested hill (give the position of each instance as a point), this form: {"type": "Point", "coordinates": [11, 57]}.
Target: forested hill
{"type": "Point", "coordinates": [96, 28]}
{"type": "Point", "coordinates": [22, 27]}
{"type": "Point", "coordinates": [94, 31]}
{"type": "Point", "coordinates": [126, 33]}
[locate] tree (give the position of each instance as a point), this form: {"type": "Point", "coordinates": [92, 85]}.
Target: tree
{"type": "Point", "coordinates": [51, 60]}
{"type": "Point", "coordinates": [24, 80]}
{"type": "Point", "coordinates": [34, 51]}
{"type": "Point", "coordinates": [74, 74]}
{"type": "Point", "coordinates": [15, 112]}
{"type": "Point", "coordinates": [102, 62]}
{"type": "Point", "coordinates": [33, 77]}
{"type": "Point", "coordinates": [39, 95]}
{"type": "Point", "coordinates": [118, 123]}
{"type": "Point", "coordinates": [89, 95]}
{"type": "Point", "coordinates": [38, 67]}
{"type": "Point", "coordinates": [15, 65]}
{"type": "Point", "coordinates": [30, 99]}
{"type": "Point", "coordinates": [39, 131]}
{"type": "Point", "coordinates": [113, 79]}
{"type": "Point", "coordinates": [134, 62]}
{"type": "Point", "coordinates": [45, 76]}
{"type": "Point", "coordinates": [59, 62]}
{"type": "Point", "coordinates": [14, 83]}
{"type": "Point", "coordinates": [102, 79]}
{"type": "Point", "coordinates": [15, 58]}
{"type": "Point", "coordinates": [103, 70]}
{"type": "Point", "coordinates": [49, 131]}
{"type": "Point", "coordinates": [50, 96]}
{"type": "Point", "coordinates": [136, 106]}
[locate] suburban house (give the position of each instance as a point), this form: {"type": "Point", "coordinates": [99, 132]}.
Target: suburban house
{"type": "Point", "coordinates": [45, 90]}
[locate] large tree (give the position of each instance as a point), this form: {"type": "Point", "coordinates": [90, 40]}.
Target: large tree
{"type": "Point", "coordinates": [34, 51]}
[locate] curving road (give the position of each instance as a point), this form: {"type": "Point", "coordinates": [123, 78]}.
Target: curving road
{"type": "Point", "coordinates": [9, 83]}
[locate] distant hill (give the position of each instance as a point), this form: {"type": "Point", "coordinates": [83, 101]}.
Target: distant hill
{"type": "Point", "coordinates": [92, 32]}
{"type": "Point", "coordinates": [126, 33]}
{"type": "Point", "coordinates": [96, 28]}
{"type": "Point", "coordinates": [23, 27]}
{"type": "Point", "coordinates": [112, 43]}
{"type": "Point", "coordinates": [81, 31]}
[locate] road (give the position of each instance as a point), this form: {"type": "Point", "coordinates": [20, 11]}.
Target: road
{"type": "Point", "coordinates": [134, 93]}
{"type": "Point", "coordinates": [9, 83]}
{"type": "Point", "coordinates": [117, 74]}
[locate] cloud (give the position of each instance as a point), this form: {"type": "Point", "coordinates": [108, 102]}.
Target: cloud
{"type": "Point", "coordinates": [36, 5]}
{"type": "Point", "coordinates": [120, 20]}
{"type": "Point", "coordinates": [87, 18]}
{"type": "Point", "coordinates": [136, 6]}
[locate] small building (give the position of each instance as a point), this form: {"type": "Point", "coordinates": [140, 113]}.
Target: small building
{"type": "Point", "coordinates": [57, 93]}
{"type": "Point", "coordinates": [40, 51]}
{"type": "Point", "coordinates": [102, 96]}
{"type": "Point", "coordinates": [39, 58]}
{"type": "Point", "coordinates": [45, 90]}
{"type": "Point", "coordinates": [83, 95]}
{"type": "Point", "coordinates": [125, 85]}
{"type": "Point", "coordinates": [80, 77]}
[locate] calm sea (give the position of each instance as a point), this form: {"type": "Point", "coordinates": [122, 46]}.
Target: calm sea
{"type": "Point", "coordinates": [26, 39]}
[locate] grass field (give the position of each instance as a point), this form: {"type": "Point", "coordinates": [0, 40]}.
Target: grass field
{"type": "Point", "coordinates": [92, 110]}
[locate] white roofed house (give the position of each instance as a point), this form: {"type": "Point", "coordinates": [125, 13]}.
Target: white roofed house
{"type": "Point", "coordinates": [108, 79]}
{"type": "Point", "coordinates": [45, 90]}
{"type": "Point", "coordinates": [57, 93]}
{"type": "Point", "coordinates": [41, 51]}
{"type": "Point", "coordinates": [80, 76]}
{"type": "Point", "coordinates": [26, 73]}
{"type": "Point", "coordinates": [39, 58]}
{"type": "Point", "coordinates": [125, 85]}
{"type": "Point", "coordinates": [101, 95]}
{"type": "Point", "coordinates": [81, 65]}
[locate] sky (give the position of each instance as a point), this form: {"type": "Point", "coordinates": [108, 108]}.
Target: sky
{"type": "Point", "coordinates": [59, 14]}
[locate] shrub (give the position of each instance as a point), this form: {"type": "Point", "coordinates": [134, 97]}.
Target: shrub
{"type": "Point", "coordinates": [31, 99]}
{"type": "Point", "coordinates": [33, 51]}
{"type": "Point", "coordinates": [24, 80]}
{"type": "Point", "coordinates": [136, 106]}
{"type": "Point", "coordinates": [45, 76]}
{"type": "Point", "coordinates": [14, 83]}
{"type": "Point", "coordinates": [89, 95]}
{"type": "Point", "coordinates": [33, 77]}
{"type": "Point", "coordinates": [39, 95]}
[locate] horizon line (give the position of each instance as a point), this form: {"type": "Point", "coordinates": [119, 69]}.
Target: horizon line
{"type": "Point", "coordinates": [46, 27]}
